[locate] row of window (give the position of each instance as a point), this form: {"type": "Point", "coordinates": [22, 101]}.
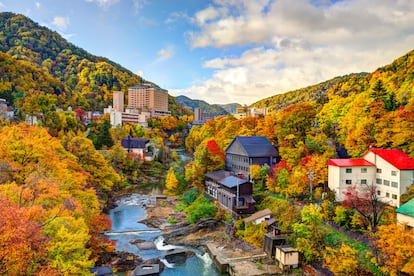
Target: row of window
{"type": "Point", "coordinates": [239, 168]}
{"type": "Point", "coordinates": [393, 196]}
{"type": "Point", "coordinates": [378, 181]}
{"type": "Point", "coordinates": [365, 170]}
{"type": "Point", "coordinates": [386, 183]}
{"type": "Point", "coordinates": [239, 158]}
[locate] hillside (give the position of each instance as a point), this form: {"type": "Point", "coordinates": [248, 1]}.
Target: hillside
{"type": "Point", "coordinates": [396, 77]}
{"type": "Point", "coordinates": [314, 93]}
{"type": "Point", "coordinates": [38, 59]}
{"type": "Point", "coordinates": [192, 104]}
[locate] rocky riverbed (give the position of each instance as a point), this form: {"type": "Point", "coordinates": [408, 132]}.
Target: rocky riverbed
{"type": "Point", "coordinates": [160, 212]}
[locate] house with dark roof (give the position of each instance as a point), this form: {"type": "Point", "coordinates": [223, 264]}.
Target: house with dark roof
{"type": "Point", "coordinates": [232, 187]}
{"type": "Point", "coordinates": [405, 213]}
{"type": "Point", "coordinates": [245, 151]}
{"type": "Point", "coordinates": [390, 170]}
{"type": "Point", "coordinates": [231, 192]}
{"type": "Point", "coordinates": [142, 148]}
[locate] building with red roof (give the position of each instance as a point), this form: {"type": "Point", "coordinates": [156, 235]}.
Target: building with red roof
{"type": "Point", "coordinates": [390, 170]}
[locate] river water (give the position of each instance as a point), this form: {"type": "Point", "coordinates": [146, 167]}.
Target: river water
{"type": "Point", "coordinates": [126, 228]}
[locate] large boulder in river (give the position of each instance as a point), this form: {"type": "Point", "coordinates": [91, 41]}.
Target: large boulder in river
{"type": "Point", "coordinates": [177, 255]}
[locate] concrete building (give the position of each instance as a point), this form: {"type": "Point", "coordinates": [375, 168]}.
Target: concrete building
{"type": "Point", "coordinates": [390, 170]}
{"type": "Point", "coordinates": [201, 117]}
{"type": "Point", "coordinates": [118, 101]}
{"type": "Point", "coordinates": [149, 98]}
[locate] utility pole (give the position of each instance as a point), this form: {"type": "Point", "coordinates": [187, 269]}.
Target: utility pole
{"type": "Point", "coordinates": [310, 185]}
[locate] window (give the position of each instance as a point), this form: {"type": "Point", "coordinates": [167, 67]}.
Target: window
{"type": "Point", "coordinates": [394, 196]}
{"type": "Point", "coordinates": [363, 181]}
{"type": "Point", "coordinates": [394, 173]}
{"type": "Point", "coordinates": [386, 182]}
{"type": "Point", "coordinates": [378, 181]}
{"type": "Point", "coordinates": [364, 170]}
{"type": "Point", "coordinates": [379, 192]}
{"type": "Point", "coordinates": [348, 170]}
{"type": "Point", "coordinates": [379, 171]}
{"type": "Point", "coordinates": [394, 184]}
{"type": "Point", "coordinates": [348, 181]}
{"type": "Point", "coordinates": [387, 194]}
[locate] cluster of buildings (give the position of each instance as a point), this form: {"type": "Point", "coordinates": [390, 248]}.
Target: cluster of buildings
{"type": "Point", "coordinates": [232, 187]}
{"type": "Point", "coordinates": [201, 117]}
{"type": "Point", "coordinates": [144, 102]}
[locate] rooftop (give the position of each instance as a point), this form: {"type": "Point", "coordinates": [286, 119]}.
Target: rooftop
{"type": "Point", "coordinates": [395, 157]}
{"type": "Point", "coordinates": [407, 208]}
{"type": "Point", "coordinates": [357, 162]}
{"type": "Point", "coordinates": [256, 146]}
{"type": "Point", "coordinates": [134, 143]}
{"type": "Point", "coordinates": [258, 215]}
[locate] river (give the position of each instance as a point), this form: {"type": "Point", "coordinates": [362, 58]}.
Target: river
{"type": "Point", "coordinates": [126, 228]}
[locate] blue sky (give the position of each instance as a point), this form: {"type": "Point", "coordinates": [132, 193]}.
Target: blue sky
{"type": "Point", "coordinates": [224, 51]}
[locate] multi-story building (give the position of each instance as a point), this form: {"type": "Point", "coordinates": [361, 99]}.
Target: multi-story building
{"type": "Point", "coordinates": [149, 98]}
{"type": "Point", "coordinates": [245, 151]}
{"type": "Point", "coordinates": [200, 116]}
{"type": "Point", "coordinates": [118, 101]}
{"type": "Point", "coordinates": [390, 170]}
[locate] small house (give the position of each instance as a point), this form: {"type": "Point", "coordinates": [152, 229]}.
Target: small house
{"type": "Point", "coordinates": [142, 148]}
{"type": "Point", "coordinates": [287, 256]}
{"type": "Point", "coordinates": [258, 217]}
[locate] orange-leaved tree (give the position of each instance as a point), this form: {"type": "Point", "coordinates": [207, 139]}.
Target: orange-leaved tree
{"type": "Point", "coordinates": [396, 245]}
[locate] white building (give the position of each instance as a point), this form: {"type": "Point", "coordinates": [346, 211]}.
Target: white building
{"type": "Point", "coordinates": [392, 172]}
{"type": "Point", "coordinates": [343, 173]}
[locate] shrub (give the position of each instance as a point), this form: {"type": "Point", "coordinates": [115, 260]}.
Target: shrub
{"type": "Point", "coordinates": [199, 209]}
{"type": "Point", "coordinates": [189, 196]}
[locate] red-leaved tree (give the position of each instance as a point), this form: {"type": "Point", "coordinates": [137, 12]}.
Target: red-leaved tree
{"type": "Point", "coordinates": [364, 199]}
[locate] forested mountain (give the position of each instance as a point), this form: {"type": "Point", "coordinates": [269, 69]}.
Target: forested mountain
{"type": "Point", "coordinates": [231, 107]}
{"type": "Point", "coordinates": [206, 107]}
{"type": "Point", "coordinates": [314, 93]}
{"type": "Point", "coordinates": [35, 53]}
{"type": "Point", "coordinates": [397, 78]}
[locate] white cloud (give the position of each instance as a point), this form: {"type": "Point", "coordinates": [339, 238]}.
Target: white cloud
{"type": "Point", "coordinates": [2, 5]}
{"type": "Point", "coordinates": [60, 22]}
{"type": "Point", "coordinates": [139, 5]}
{"type": "Point", "coordinates": [293, 44]}
{"type": "Point", "coordinates": [37, 4]}
{"type": "Point", "coordinates": [164, 54]}
{"type": "Point", "coordinates": [104, 3]}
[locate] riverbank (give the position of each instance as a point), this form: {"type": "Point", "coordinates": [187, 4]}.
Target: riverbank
{"type": "Point", "coordinates": [230, 255]}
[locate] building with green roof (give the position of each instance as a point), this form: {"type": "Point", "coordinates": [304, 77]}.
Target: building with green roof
{"type": "Point", "coordinates": [405, 213]}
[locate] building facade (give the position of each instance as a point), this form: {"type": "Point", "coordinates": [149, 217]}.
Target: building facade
{"type": "Point", "coordinates": [390, 171]}
{"type": "Point", "coordinates": [245, 151]}
{"type": "Point", "coordinates": [148, 98]}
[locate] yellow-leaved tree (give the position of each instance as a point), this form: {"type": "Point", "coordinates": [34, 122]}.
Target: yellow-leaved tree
{"type": "Point", "coordinates": [396, 245]}
{"type": "Point", "coordinates": [348, 264]}
{"type": "Point", "coordinates": [171, 182]}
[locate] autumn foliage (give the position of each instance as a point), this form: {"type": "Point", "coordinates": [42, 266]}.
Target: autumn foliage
{"type": "Point", "coordinates": [51, 216]}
